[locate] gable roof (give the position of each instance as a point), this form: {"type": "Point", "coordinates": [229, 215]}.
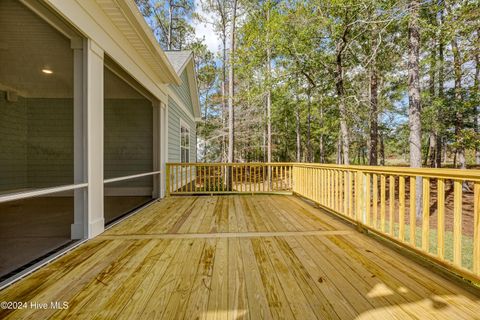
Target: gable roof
{"type": "Point", "coordinates": [183, 61]}
{"type": "Point", "coordinates": [179, 59]}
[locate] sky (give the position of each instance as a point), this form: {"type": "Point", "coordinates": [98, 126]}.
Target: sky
{"type": "Point", "coordinates": [204, 30]}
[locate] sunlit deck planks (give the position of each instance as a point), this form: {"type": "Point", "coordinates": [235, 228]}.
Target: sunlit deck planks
{"type": "Point", "coordinates": [237, 257]}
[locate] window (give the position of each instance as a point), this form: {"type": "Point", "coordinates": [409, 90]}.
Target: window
{"type": "Point", "coordinates": [184, 143]}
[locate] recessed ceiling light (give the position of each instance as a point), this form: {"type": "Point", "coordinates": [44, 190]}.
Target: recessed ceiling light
{"type": "Point", "coordinates": [47, 71]}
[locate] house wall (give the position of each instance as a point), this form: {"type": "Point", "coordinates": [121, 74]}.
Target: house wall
{"type": "Point", "coordinates": [13, 133]}
{"type": "Point", "coordinates": [36, 144]}
{"type": "Point", "coordinates": [183, 92]}
{"type": "Point", "coordinates": [49, 142]}
{"type": "Point", "coordinates": [175, 113]}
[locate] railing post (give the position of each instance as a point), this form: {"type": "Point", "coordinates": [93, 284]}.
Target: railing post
{"type": "Point", "coordinates": [167, 180]}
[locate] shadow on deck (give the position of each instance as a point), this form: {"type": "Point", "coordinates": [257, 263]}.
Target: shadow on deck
{"type": "Point", "coordinates": [237, 257]}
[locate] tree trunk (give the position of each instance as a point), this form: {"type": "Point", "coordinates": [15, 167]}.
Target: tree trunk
{"type": "Point", "coordinates": [339, 149]}
{"type": "Point", "coordinates": [382, 151]}
{"type": "Point", "coordinates": [297, 132]}
{"type": "Point", "coordinates": [170, 21]}
{"type": "Point", "coordinates": [231, 92]}
{"type": "Point", "coordinates": [339, 48]}
{"type": "Point", "coordinates": [373, 152]}
{"type": "Point", "coordinates": [309, 126]}
{"type": "Point", "coordinates": [415, 124]}
{"type": "Point", "coordinates": [457, 67]}
{"type": "Point", "coordinates": [432, 135]}
{"type": "Point", "coordinates": [321, 138]}
{"type": "Point", "coordinates": [269, 97]}
{"type": "Point", "coordinates": [269, 106]}
{"type": "Point", "coordinates": [205, 147]}
{"type": "Point", "coordinates": [343, 117]}
{"type": "Point", "coordinates": [432, 148]}
{"type": "Point", "coordinates": [224, 93]}
{"type": "Point", "coordinates": [441, 81]}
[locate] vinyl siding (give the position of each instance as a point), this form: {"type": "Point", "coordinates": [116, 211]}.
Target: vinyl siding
{"type": "Point", "coordinates": [175, 113]}
{"type": "Point", "coordinates": [183, 92]}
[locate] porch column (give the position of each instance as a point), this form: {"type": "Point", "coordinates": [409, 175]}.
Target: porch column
{"type": "Point", "coordinates": [157, 149]}
{"type": "Point", "coordinates": [93, 84]}
{"type": "Point", "coordinates": [163, 147]}
{"type": "Point", "coordinates": [79, 119]}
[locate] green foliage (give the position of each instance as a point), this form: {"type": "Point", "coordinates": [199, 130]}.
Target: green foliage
{"type": "Point", "coordinates": [301, 42]}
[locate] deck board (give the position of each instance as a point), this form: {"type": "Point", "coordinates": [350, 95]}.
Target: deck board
{"type": "Point", "coordinates": [237, 257]}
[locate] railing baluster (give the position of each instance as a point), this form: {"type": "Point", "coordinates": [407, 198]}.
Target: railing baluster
{"type": "Point", "coordinates": [368, 199]}
{"type": "Point", "coordinates": [476, 228]}
{"type": "Point", "coordinates": [276, 178]}
{"type": "Point", "coordinates": [318, 183]}
{"type": "Point", "coordinates": [325, 188]}
{"type": "Point", "coordinates": [190, 178]}
{"type": "Point", "coordinates": [457, 222]}
{"type": "Point", "coordinates": [401, 208]}
{"type": "Point", "coordinates": [359, 196]}
{"type": "Point", "coordinates": [254, 178]}
{"type": "Point", "coordinates": [331, 189]}
{"type": "Point", "coordinates": [242, 173]}
{"type": "Point", "coordinates": [391, 207]}
{"type": "Point", "coordinates": [291, 178]}
{"type": "Point", "coordinates": [280, 178]}
{"type": "Point", "coordinates": [382, 202]}
{"type": "Point", "coordinates": [178, 181]}
{"type": "Point", "coordinates": [426, 214]}
{"type": "Point", "coordinates": [375, 201]}
{"type": "Point", "coordinates": [441, 218]}
{"type": "Point", "coordinates": [350, 194]}
{"type": "Point", "coordinates": [249, 178]}
{"type": "Point", "coordinates": [345, 193]}
{"type": "Point", "coordinates": [337, 193]}
{"type": "Point", "coordinates": [413, 210]}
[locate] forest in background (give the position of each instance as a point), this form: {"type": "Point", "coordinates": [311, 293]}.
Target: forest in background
{"type": "Point", "coordinates": [332, 81]}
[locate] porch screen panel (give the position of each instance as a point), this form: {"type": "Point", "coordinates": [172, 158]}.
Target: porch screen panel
{"type": "Point", "coordinates": [36, 136]}
{"type": "Point", "coordinates": [128, 143]}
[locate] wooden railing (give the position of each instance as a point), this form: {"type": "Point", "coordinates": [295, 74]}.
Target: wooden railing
{"type": "Point", "coordinates": [443, 227]}
{"type": "Point", "coordinates": [225, 178]}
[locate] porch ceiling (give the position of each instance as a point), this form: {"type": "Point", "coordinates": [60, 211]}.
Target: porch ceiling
{"type": "Point", "coordinates": [238, 257]}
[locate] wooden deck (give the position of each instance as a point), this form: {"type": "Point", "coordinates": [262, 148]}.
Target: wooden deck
{"type": "Point", "coordinates": [237, 257]}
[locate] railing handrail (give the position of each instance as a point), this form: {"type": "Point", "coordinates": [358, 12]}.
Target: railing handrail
{"type": "Point", "coordinates": [444, 173]}
{"type": "Point", "coordinates": [227, 163]}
